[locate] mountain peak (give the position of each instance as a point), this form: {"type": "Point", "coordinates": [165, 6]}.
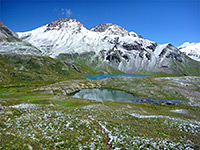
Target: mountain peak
{"type": "Point", "coordinates": [111, 29]}
{"type": "Point", "coordinates": [64, 22]}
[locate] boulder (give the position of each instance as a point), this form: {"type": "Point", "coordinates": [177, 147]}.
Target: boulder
{"type": "Point", "coordinates": [168, 103]}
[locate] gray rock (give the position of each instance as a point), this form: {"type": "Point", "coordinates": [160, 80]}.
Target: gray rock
{"type": "Point", "coordinates": [87, 54]}
{"type": "Point", "coordinates": [73, 66]}
{"type": "Point", "coordinates": [113, 57]}
{"type": "Point", "coordinates": [152, 46]}
{"type": "Point", "coordinates": [129, 46]}
{"type": "Point", "coordinates": [67, 55]}
{"type": "Point", "coordinates": [169, 103]}
{"type": "Point", "coordinates": [148, 56]}
{"type": "Point", "coordinates": [125, 57]}
{"type": "Point", "coordinates": [111, 29]}
{"type": "Point", "coordinates": [163, 52]}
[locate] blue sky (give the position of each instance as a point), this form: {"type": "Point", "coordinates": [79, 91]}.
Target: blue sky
{"type": "Point", "coordinates": [174, 21]}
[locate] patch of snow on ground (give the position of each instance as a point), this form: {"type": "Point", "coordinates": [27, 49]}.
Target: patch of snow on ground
{"type": "Point", "coordinates": [24, 106]}
{"type": "Point", "coordinates": [91, 106]}
{"type": "Point", "coordinates": [180, 111]}
{"type": "Point", "coordinates": [147, 116]}
{"type": "Point", "coordinates": [190, 126]}
{"type": "Point", "coordinates": [111, 138]}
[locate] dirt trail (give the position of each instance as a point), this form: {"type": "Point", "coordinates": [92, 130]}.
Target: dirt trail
{"type": "Point", "coordinates": [105, 134]}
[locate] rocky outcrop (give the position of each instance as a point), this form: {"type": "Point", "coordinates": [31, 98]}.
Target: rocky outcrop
{"type": "Point", "coordinates": [113, 57]}
{"type": "Point", "coordinates": [110, 29]}
{"type": "Point", "coordinates": [10, 43]}
{"type": "Point", "coordinates": [67, 55]}
{"type": "Point", "coordinates": [73, 67]}
{"type": "Point", "coordinates": [75, 55]}
{"type": "Point", "coordinates": [69, 87]}
{"type": "Point", "coordinates": [63, 22]}
{"type": "Point", "coordinates": [6, 31]}
{"type": "Point", "coordinates": [129, 46]}
{"type": "Point", "coordinates": [152, 47]}
{"type": "Point", "coordinates": [148, 56]}
{"type": "Point", "coordinates": [163, 52]}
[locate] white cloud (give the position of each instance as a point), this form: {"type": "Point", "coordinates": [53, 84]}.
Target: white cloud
{"type": "Point", "coordinates": [66, 12]}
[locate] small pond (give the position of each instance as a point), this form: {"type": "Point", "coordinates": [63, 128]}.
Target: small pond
{"type": "Point", "coordinates": [103, 76]}
{"type": "Point", "coordinates": [116, 95]}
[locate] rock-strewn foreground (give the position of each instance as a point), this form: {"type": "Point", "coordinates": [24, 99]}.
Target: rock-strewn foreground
{"type": "Point", "coordinates": [39, 116]}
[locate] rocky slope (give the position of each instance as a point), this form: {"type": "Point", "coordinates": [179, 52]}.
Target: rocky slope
{"type": "Point", "coordinates": [10, 43]}
{"type": "Point", "coordinates": [5, 32]}
{"type": "Point", "coordinates": [191, 49]}
{"type": "Point", "coordinates": [107, 44]}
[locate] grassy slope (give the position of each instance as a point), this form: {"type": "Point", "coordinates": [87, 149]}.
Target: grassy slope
{"type": "Point", "coordinates": [187, 67]}
{"type": "Point", "coordinates": [20, 68]}
{"type": "Point", "coordinates": [90, 64]}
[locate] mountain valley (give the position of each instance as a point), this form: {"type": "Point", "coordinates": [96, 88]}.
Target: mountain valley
{"type": "Point", "coordinates": [40, 70]}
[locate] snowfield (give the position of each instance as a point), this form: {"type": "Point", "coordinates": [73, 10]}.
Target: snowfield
{"type": "Point", "coordinates": [191, 49]}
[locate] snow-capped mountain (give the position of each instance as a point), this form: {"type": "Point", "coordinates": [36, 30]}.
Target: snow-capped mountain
{"type": "Point", "coordinates": [108, 43]}
{"type": "Point", "coordinates": [191, 49]}
{"type": "Point", "coordinates": [70, 36]}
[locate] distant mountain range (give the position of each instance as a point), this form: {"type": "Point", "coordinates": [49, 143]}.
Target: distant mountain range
{"type": "Point", "coordinates": [191, 49]}
{"type": "Point", "coordinates": [105, 44]}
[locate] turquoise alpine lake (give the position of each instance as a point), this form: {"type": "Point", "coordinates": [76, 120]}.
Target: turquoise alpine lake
{"type": "Point", "coordinates": [103, 76]}
{"type": "Point", "coordinates": [101, 94]}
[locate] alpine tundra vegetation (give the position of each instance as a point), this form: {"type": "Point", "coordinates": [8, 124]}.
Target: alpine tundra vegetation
{"type": "Point", "coordinates": [41, 70]}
